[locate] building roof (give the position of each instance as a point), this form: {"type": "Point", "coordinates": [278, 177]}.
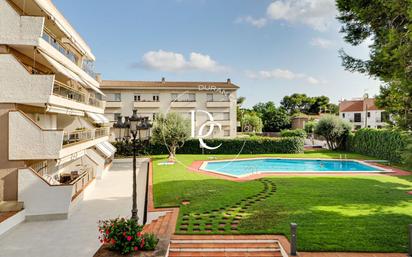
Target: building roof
{"type": "Point", "coordinates": [120, 84]}
{"type": "Point", "coordinates": [358, 105]}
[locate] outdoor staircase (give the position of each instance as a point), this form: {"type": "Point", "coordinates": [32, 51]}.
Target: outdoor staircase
{"type": "Point", "coordinates": [225, 245]}
{"type": "Point", "coordinates": [162, 226]}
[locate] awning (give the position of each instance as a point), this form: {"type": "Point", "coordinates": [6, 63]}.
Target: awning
{"type": "Point", "coordinates": [60, 68]}
{"type": "Point", "coordinates": [98, 118]}
{"type": "Point", "coordinates": [61, 110]}
{"type": "Point", "coordinates": [106, 149]}
{"type": "Point", "coordinates": [70, 74]}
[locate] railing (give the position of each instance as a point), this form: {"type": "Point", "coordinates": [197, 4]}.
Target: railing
{"type": "Point", "coordinates": [96, 102]}
{"type": "Point", "coordinates": [67, 92]}
{"type": "Point", "coordinates": [77, 136]}
{"type": "Point", "coordinates": [47, 36]}
{"type": "Point", "coordinates": [40, 167]}
{"type": "Point", "coordinates": [80, 183]}
{"type": "Point", "coordinates": [150, 101]}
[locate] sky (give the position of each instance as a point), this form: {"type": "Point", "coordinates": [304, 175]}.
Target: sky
{"type": "Point", "coordinates": [269, 48]}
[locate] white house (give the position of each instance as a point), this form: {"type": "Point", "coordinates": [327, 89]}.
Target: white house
{"type": "Point", "coordinates": [363, 113]}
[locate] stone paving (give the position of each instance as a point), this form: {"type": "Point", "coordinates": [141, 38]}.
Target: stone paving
{"type": "Point", "coordinates": [76, 236]}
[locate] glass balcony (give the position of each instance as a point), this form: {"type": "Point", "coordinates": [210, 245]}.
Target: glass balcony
{"type": "Point", "coordinates": [82, 135]}
{"type": "Point", "coordinates": [67, 92]}
{"type": "Point", "coordinates": [57, 45]}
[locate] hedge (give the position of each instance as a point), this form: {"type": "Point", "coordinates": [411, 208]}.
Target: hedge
{"type": "Point", "coordinates": [254, 145]}
{"type": "Point", "coordinates": [380, 143]}
{"type": "Point", "coordinates": [293, 133]}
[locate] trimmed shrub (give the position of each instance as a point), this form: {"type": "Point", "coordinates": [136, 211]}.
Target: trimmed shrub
{"type": "Point", "coordinates": [379, 143]}
{"type": "Point", "coordinates": [334, 130]}
{"type": "Point", "coordinates": [293, 133]}
{"type": "Point", "coordinates": [252, 145]}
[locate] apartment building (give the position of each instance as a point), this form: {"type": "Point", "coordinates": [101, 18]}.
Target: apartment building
{"type": "Point", "coordinates": [53, 132]}
{"type": "Point", "coordinates": [363, 113]}
{"type": "Point", "coordinates": [154, 97]}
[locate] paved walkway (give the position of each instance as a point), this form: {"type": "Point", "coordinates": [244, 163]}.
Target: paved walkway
{"type": "Point", "coordinates": [77, 236]}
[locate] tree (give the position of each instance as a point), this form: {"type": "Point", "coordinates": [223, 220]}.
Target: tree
{"type": "Point", "coordinates": [310, 126]}
{"type": "Point", "coordinates": [333, 129]}
{"type": "Point", "coordinates": [171, 130]}
{"type": "Point", "coordinates": [239, 111]}
{"type": "Point", "coordinates": [252, 121]}
{"type": "Point", "coordinates": [274, 119]}
{"type": "Point", "coordinates": [296, 103]}
{"type": "Point", "coordinates": [388, 24]}
{"type": "Point", "coordinates": [301, 103]}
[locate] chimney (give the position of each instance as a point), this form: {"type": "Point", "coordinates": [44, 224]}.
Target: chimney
{"type": "Point", "coordinates": [228, 81]}
{"type": "Point", "coordinates": [163, 80]}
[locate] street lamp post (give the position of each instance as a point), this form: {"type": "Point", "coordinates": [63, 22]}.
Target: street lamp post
{"type": "Point", "coordinates": [139, 128]}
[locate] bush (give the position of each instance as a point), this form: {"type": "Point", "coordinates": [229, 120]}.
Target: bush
{"type": "Point", "coordinates": [334, 130]}
{"type": "Point", "coordinates": [251, 145]}
{"type": "Point", "coordinates": [293, 133]}
{"type": "Point", "coordinates": [379, 143]}
{"type": "Point", "coordinates": [125, 236]}
{"type": "Point", "coordinates": [310, 126]}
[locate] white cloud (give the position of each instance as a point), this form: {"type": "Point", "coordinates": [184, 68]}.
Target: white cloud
{"type": "Point", "coordinates": [258, 23]}
{"type": "Point", "coordinates": [281, 74]}
{"type": "Point", "coordinates": [321, 42]}
{"type": "Point", "coordinates": [171, 61]}
{"type": "Point", "coordinates": [318, 14]}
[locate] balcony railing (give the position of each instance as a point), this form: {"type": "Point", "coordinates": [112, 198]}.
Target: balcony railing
{"type": "Point", "coordinates": [47, 36]}
{"type": "Point", "coordinates": [67, 92]}
{"type": "Point", "coordinates": [83, 135]}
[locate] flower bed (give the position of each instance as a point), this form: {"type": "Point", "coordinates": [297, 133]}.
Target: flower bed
{"type": "Point", "coordinates": [125, 236]}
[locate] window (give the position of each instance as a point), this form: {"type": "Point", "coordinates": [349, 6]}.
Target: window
{"type": "Point", "coordinates": [183, 97]}
{"type": "Point", "coordinates": [369, 114]}
{"type": "Point", "coordinates": [116, 116]}
{"type": "Point", "coordinates": [357, 127]}
{"type": "Point", "coordinates": [358, 117]}
{"type": "Point", "coordinates": [137, 98]}
{"type": "Point", "coordinates": [209, 97]}
{"type": "Point", "coordinates": [384, 117]}
{"type": "Point", "coordinates": [113, 97]}
{"type": "Point", "coordinates": [343, 115]}
{"type": "Point", "coordinates": [156, 98]}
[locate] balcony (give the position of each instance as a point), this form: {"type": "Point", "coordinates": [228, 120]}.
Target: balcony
{"type": "Point", "coordinates": [146, 104]}
{"type": "Point", "coordinates": [114, 104]}
{"type": "Point", "coordinates": [18, 30]}
{"type": "Point", "coordinates": [211, 104]}
{"type": "Point", "coordinates": [28, 141]}
{"type": "Point", "coordinates": [183, 104]}
{"type": "Point", "coordinates": [44, 195]}
{"type": "Point", "coordinates": [68, 93]}
{"type": "Point", "coordinates": [79, 136]}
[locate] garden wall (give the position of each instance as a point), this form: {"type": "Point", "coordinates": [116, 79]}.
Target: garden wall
{"type": "Point", "coordinates": [229, 146]}
{"type": "Point", "coordinates": [379, 143]}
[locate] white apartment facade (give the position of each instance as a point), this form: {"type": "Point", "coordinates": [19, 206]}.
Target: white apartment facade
{"type": "Point", "coordinates": [363, 113]}
{"type": "Point", "coordinates": [53, 132]}
{"type": "Point", "coordinates": [154, 97]}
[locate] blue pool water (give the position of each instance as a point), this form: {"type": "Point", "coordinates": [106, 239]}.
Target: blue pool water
{"type": "Point", "coordinates": [270, 165]}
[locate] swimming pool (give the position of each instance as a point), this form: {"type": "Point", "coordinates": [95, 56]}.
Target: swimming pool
{"type": "Point", "coordinates": [239, 168]}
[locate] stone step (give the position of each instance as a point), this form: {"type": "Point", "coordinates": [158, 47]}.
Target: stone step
{"type": "Point", "coordinates": [224, 245]}
{"type": "Point", "coordinates": [8, 206]}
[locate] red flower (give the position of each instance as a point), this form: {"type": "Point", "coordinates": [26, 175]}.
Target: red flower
{"type": "Point", "coordinates": [124, 233]}
{"type": "Point", "coordinates": [135, 248]}
{"type": "Point", "coordinates": [113, 241]}
{"type": "Point", "coordinates": [101, 241]}
{"type": "Point", "coordinates": [129, 238]}
{"type": "Point", "coordinates": [107, 232]}
{"type": "Point", "coordinates": [139, 234]}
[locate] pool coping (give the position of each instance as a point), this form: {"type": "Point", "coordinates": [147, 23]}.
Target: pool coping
{"type": "Point", "coordinates": [381, 169]}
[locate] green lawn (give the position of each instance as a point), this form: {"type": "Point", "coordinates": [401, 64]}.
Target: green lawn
{"type": "Point", "coordinates": [362, 213]}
